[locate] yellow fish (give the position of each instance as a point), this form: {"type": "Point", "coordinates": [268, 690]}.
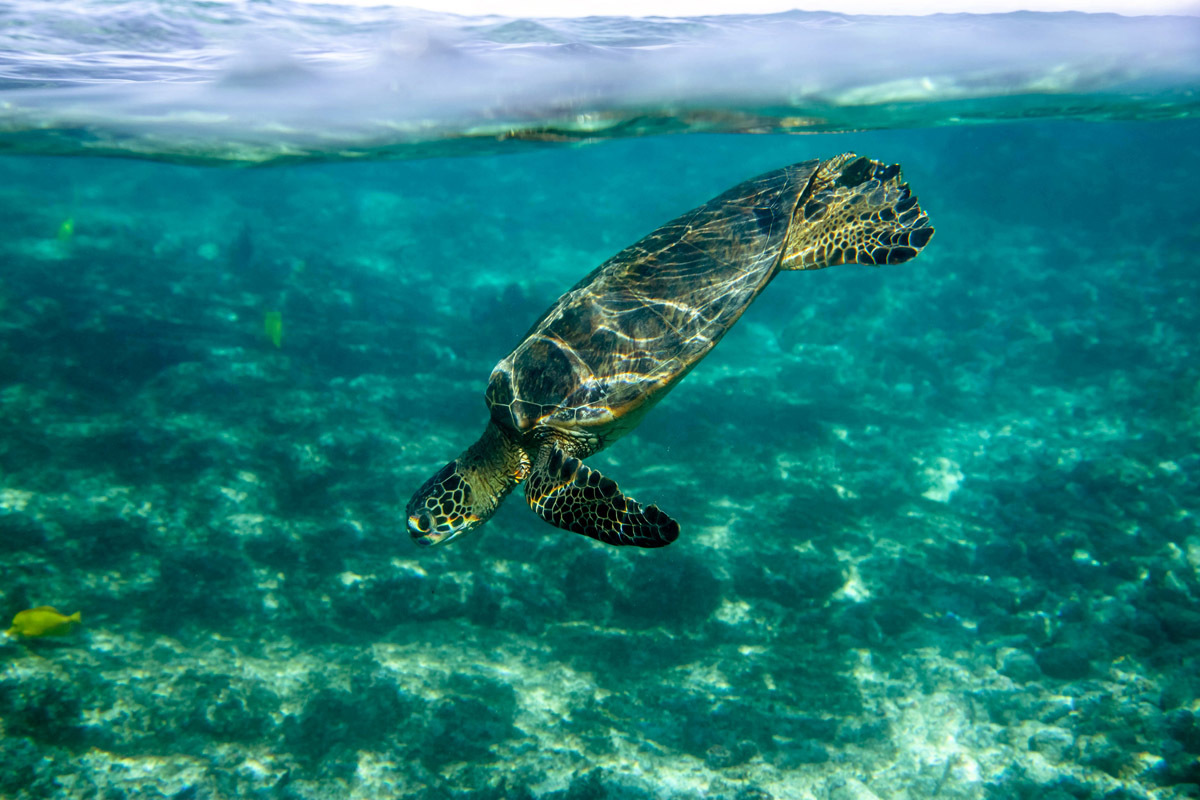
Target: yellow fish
{"type": "Point", "coordinates": [273, 327]}
{"type": "Point", "coordinates": [43, 621]}
{"type": "Point", "coordinates": [67, 229]}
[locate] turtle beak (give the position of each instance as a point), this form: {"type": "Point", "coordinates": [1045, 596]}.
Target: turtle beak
{"type": "Point", "coordinates": [424, 530]}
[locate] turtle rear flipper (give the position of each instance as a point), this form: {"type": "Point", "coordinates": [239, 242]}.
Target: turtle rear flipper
{"type": "Point", "coordinates": [856, 211]}
{"type": "Point", "coordinates": [571, 495]}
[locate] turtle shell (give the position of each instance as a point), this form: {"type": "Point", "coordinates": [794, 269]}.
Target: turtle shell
{"type": "Point", "coordinates": [622, 337]}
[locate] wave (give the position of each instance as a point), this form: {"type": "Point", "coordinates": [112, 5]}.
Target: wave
{"type": "Point", "coordinates": [283, 81]}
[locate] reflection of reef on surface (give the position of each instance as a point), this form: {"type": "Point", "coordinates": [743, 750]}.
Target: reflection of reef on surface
{"type": "Point", "coordinates": [939, 531]}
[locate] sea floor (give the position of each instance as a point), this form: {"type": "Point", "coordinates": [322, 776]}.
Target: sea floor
{"type": "Point", "coordinates": [940, 532]}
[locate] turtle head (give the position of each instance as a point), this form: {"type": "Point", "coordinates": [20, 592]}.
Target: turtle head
{"type": "Point", "coordinates": [465, 493]}
{"type": "Point", "coordinates": [444, 508]}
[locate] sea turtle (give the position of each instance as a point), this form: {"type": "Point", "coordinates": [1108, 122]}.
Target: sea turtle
{"type": "Point", "coordinates": [610, 348]}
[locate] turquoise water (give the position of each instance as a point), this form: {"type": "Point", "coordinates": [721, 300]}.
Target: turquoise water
{"type": "Point", "coordinates": [939, 519]}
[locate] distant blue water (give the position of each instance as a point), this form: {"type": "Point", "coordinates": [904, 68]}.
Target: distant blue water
{"type": "Point", "coordinates": [939, 520]}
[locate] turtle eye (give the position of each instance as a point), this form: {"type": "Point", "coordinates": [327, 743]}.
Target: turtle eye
{"type": "Point", "coordinates": [423, 523]}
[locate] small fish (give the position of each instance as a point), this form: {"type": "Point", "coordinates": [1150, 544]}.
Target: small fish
{"type": "Point", "coordinates": [67, 229]}
{"type": "Point", "coordinates": [43, 621]}
{"type": "Point", "coordinates": [273, 326]}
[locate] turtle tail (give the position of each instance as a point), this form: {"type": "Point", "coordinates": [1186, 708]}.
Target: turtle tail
{"type": "Point", "coordinates": [855, 211]}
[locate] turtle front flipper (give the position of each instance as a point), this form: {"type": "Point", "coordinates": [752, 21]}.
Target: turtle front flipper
{"type": "Point", "coordinates": [571, 495]}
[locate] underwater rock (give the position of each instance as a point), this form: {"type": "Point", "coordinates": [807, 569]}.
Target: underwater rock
{"type": "Point", "coordinates": [1063, 663]}
{"type": "Point", "coordinates": [199, 586]}
{"type": "Point", "coordinates": [601, 784]}
{"type": "Point", "coordinates": [1020, 666]}
{"type": "Point", "coordinates": [721, 757]}
{"type": "Point", "coordinates": [753, 793]}
{"type": "Point", "coordinates": [335, 724]}
{"type": "Point", "coordinates": [20, 532]}
{"type": "Point", "coordinates": [375, 604]}
{"type": "Point", "coordinates": [1179, 622]}
{"type": "Point", "coordinates": [1184, 727]}
{"type": "Point", "coordinates": [718, 757]}
{"type": "Point", "coordinates": [227, 713]}
{"type": "Point", "coordinates": [44, 708]}
{"type": "Point", "coordinates": [586, 586]}
{"type": "Point", "coordinates": [474, 714]}
{"type": "Point", "coordinates": [1053, 743]}
{"type": "Point", "coordinates": [790, 579]}
{"type": "Point", "coordinates": [681, 592]}
{"type": "Point", "coordinates": [20, 762]}
{"type": "Point", "coordinates": [1180, 772]}
{"type": "Point", "coordinates": [794, 754]}
{"type": "Point", "coordinates": [850, 789]}
{"type": "Point", "coordinates": [1105, 752]}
